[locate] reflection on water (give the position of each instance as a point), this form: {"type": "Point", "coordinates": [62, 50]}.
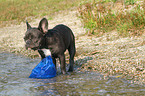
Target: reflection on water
{"type": "Point", "coordinates": [14, 81]}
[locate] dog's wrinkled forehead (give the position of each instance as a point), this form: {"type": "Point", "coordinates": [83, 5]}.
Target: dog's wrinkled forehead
{"type": "Point", "coordinates": [34, 31]}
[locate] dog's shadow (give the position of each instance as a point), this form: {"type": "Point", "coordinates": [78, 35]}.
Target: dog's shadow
{"type": "Point", "coordinates": [78, 63]}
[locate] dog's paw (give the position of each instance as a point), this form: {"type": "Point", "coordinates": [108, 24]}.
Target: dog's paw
{"type": "Point", "coordinates": [63, 72]}
{"type": "Point", "coordinates": [70, 70]}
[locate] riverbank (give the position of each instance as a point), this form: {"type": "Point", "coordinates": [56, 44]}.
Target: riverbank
{"type": "Point", "coordinates": [109, 54]}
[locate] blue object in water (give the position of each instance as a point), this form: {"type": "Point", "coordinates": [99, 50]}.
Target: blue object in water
{"type": "Point", "coordinates": [45, 69]}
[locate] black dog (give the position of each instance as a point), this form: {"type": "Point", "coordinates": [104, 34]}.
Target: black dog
{"type": "Point", "coordinates": [57, 40]}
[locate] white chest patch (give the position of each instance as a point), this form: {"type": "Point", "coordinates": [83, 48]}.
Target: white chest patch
{"type": "Point", "coordinates": [46, 52]}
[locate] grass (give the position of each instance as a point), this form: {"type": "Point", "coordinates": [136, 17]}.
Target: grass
{"type": "Point", "coordinates": [20, 10]}
{"type": "Point", "coordinates": [102, 16]}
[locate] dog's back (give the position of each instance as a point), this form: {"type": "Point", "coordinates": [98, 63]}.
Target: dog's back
{"type": "Point", "coordinates": [66, 34]}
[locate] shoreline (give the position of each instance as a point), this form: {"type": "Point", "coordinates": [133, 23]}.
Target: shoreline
{"type": "Point", "coordinates": [109, 54]}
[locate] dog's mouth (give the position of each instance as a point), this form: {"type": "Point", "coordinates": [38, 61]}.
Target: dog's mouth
{"type": "Point", "coordinates": [36, 48]}
{"type": "Point", "coordinates": [33, 48]}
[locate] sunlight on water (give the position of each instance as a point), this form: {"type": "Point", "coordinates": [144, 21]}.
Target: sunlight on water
{"type": "Point", "coordinates": [14, 81]}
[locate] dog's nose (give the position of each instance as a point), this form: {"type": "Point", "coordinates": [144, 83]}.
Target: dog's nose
{"type": "Point", "coordinates": [26, 47]}
{"type": "Point", "coordinates": [28, 43]}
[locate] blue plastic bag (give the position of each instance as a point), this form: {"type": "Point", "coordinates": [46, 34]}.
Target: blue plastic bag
{"type": "Point", "coordinates": [45, 69]}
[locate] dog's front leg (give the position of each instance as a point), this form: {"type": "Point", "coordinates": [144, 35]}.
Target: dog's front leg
{"type": "Point", "coordinates": [54, 61]}
{"type": "Point", "coordinates": [62, 63]}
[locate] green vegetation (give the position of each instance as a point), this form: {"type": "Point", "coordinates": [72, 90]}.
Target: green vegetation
{"type": "Point", "coordinates": [127, 17]}
{"type": "Point", "coordinates": [99, 16]}
{"type": "Point", "coordinates": [19, 10]}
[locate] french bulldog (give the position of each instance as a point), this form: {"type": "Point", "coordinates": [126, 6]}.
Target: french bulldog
{"type": "Point", "coordinates": [57, 40]}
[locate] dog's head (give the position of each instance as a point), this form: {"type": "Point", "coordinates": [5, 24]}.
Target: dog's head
{"type": "Point", "coordinates": [34, 36]}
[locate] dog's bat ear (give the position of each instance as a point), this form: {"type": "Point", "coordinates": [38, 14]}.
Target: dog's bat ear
{"type": "Point", "coordinates": [28, 25]}
{"type": "Point", "coordinates": [43, 25]}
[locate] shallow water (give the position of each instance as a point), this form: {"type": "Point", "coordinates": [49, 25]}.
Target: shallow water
{"type": "Point", "coordinates": [14, 81]}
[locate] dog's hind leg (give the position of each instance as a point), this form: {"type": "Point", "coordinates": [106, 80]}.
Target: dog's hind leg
{"type": "Point", "coordinates": [72, 51]}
